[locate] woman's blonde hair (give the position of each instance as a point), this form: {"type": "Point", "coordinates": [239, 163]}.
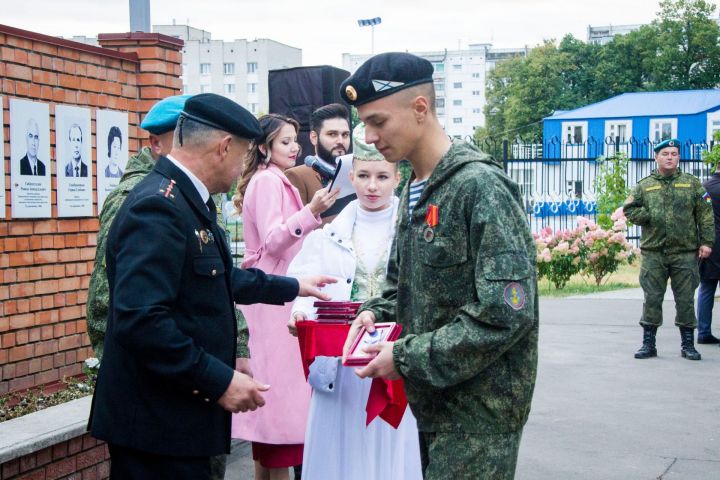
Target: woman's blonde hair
{"type": "Point", "coordinates": [271, 125]}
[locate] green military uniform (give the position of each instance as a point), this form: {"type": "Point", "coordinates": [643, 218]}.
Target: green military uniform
{"type": "Point", "coordinates": [137, 168]}
{"type": "Point", "coordinates": [465, 292]}
{"type": "Point", "coordinates": [676, 220]}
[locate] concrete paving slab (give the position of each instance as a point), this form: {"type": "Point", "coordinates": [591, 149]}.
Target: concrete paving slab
{"type": "Point", "coordinates": [600, 414]}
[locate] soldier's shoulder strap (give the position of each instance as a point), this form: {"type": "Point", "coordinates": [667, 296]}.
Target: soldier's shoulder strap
{"type": "Point", "coordinates": [168, 188]}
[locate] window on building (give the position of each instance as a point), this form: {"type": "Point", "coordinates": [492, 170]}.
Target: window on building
{"type": "Point", "coordinates": [229, 88]}
{"type": "Point", "coordinates": [523, 176]}
{"type": "Point", "coordinates": [574, 139]}
{"type": "Point", "coordinates": [457, 85]}
{"type": "Point", "coordinates": [457, 120]}
{"type": "Point", "coordinates": [439, 67]}
{"type": "Point", "coordinates": [662, 129]}
{"type": "Point", "coordinates": [476, 92]}
{"type": "Point", "coordinates": [204, 88]}
{"type": "Point", "coordinates": [457, 103]}
{"type": "Point", "coordinates": [439, 103]}
{"type": "Point", "coordinates": [439, 85]}
{"type": "Point", "coordinates": [713, 125]}
{"type": "Point", "coordinates": [457, 68]}
{"type": "Point", "coordinates": [251, 67]}
{"type": "Point", "coordinates": [204, 68]}
{"type": "Point", "coordinates": [477, 110]}
{"type": "Point", "coordinates": [252, 87]}
{"type": "Point", "coordinates": [475, 75]}
{"type": "Point", "coordinates": [253, 107]}
{"type": "Point", "coordinates": [229, 68]}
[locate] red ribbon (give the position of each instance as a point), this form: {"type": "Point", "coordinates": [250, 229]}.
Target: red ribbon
{"type": "Point", "coordinates": [432, 217]}
{"type": "Point", "coordinates": [387, 397]}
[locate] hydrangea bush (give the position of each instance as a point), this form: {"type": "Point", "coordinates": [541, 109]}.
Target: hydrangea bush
{"type": "Point", "coordinates": [588, 249]}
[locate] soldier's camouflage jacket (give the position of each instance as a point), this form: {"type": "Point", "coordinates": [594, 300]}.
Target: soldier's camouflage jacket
{"type": "Point", "coordinates": [98, 301]}
{"type": "Point", "coordinates": [674, 216]}
{"type": "Point", "coordinates": [466, 296]}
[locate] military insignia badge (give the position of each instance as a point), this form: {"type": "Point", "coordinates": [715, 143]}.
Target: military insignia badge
{"type": "Point", "coordinates": [429, 234]}
{"type": "Point", "coordinates": [706, 197]}
{"type": "Point", "coordinates": [514, 295]}
{"type": "Point", "coordinates": [432, 219]}
{"type": "Point", "coordinates": [351, 93]}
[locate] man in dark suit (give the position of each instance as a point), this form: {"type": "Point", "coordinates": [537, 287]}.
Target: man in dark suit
{"type": "Point", "coordinates": [167, 383]}
{"type": "Point", "coordinates": [709, 267]}
{"type": "Point", "coordinates": [330, 134]}
{"type": "Point", "coordinates": [76, 167]}
{"type": "Point", "coordinates": [30, 164]}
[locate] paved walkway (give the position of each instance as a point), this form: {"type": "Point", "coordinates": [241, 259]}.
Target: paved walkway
{"type": "Point", "coordinates": [599, 414]}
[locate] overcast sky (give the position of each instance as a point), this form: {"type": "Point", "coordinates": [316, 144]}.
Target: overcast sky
{"type": "Point", "coordinates": [325, 29]}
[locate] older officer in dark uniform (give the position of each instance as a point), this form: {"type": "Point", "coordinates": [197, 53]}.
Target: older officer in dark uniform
{"type": "Point", "coordinates": [167, 383]}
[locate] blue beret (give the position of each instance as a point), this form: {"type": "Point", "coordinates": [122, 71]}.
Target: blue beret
{"type": "Point", "coordinates": [222, 113]}
{"type": "Point", "coordinates": [383, 75]}
{"type": "Point", "coordinates": [672, 142]}
{"type": "Point", "coordinates": [163, 116]}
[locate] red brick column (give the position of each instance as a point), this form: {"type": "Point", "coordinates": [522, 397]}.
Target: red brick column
{"type": "Point", "coordinates": [159, 70]}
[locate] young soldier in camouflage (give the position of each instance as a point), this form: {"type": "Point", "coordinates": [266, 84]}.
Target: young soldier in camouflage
{"type": "Point", "coordinates": [677, 228]}
{"type": "Point", "coordinates": [462, 281]}
{"type": "Point", "coordinates": [160, 123]}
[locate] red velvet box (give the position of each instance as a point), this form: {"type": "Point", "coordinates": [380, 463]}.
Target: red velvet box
{"type": "Point", "coordinates": [384, 332]}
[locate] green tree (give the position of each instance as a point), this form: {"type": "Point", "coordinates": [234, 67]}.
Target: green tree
{"type": "Point", "coordinates": [611, 186]}
{"type": "Point", "coordinates": [688, 54]}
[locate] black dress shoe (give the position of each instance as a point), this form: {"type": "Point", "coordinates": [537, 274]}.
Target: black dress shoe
{"type": "Point", "coordinates": [708, 339]}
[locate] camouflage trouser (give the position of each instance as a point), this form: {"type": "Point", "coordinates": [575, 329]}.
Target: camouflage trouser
{"type": "Point", "coordinates": [458, 456]}
{"type": "Point", "coordinates": [682, 269]}
{"type": "Point", "coordinates": [217, 467]}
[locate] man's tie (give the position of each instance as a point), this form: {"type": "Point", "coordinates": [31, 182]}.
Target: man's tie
{"type": "Point", "coordinates": [35, 169]}
{"type": "Point", "coordinates": [77, 171]}
{"type": "Point", "coordinates": [211, 206]}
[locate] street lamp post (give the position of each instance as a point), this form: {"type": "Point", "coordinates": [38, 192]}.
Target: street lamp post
{"type": "Point", "coordinates": [371, 22]}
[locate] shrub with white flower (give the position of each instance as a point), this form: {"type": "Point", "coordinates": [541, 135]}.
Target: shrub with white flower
{"type": "Point", "coordinates": [588, 249]}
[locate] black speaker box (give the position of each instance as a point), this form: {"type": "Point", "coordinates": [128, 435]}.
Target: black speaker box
{"type": "Point", "coordinates": [297, 92]}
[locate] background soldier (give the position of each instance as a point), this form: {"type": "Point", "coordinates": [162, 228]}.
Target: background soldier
{"type": "Point", "coordinates": [677, 228]}
{"type": "Point", "coordinates": [461, 281]}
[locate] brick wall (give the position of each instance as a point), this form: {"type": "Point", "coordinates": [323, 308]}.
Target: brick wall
{"type": "Point", "coordinates": [80, 458]}
{"type": "Point", "coordinates": [45, 264]}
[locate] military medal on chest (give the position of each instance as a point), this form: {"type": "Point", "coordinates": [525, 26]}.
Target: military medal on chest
{"type": "Point", "coordinates": [432, 218]}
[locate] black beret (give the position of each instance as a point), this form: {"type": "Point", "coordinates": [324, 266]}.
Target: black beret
{"type": "Point", "coordinates": [383, 75]}
{"type": "Point", "coordinates": [222, 113]}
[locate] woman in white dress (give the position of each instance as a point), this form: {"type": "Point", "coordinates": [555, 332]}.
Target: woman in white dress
{"type": "Point", "coordinates": [353, 248]}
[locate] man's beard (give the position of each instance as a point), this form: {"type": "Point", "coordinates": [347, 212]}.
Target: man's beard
{"type": "Point", "coordinates": [325, 154]}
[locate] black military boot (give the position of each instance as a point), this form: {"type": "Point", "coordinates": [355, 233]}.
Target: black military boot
{"type": "Point", "coordinates": [648, 347]}
{"type": "Point", "coordinates": [687, 344]}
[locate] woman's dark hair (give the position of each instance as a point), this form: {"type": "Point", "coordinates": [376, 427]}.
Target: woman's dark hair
{"type": "Point", "coordinates": [114, 132]}
{"type": "Point", "coordinates": [271, 125]}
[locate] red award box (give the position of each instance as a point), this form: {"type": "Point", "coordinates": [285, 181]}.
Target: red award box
{"type": "Point", "coordinates": [384, 332]}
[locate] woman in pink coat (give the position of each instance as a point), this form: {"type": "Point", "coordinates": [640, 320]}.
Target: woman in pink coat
{"type": "Point", "coordinates": [275, 224]}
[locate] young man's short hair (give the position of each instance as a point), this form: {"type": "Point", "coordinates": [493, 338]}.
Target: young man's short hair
{"type": "Point", "coordinates": [333, 110]}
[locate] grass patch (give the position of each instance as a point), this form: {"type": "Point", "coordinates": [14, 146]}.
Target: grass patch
{"type": "Point", "coordinates": [625, 277]}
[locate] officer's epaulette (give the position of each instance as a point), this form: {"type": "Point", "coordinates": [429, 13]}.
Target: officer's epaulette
{"type": "Point", "coordinates": [167, 188]}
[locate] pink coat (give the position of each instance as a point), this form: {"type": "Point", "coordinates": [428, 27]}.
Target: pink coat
{"type": "Point", "coordinates": [275, 224]}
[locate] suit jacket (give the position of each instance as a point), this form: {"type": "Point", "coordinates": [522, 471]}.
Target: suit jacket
{"type": "Point", "coordinates": [308, 181]}
{"type": "Point", "coordinates": [169, 347]}
{"type": "Point", "coordinates": [710, 267]}
{"type": "Point", "coordinates": [69, 169]}
{"type": "Point", "coordinates": [26, 168]}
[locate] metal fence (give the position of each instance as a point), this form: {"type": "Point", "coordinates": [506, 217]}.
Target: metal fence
{"type": "Point", "coordinates": [558, 180]}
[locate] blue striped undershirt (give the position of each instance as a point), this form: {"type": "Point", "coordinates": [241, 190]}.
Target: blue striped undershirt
{"type": "Point", "coordinates": [416, 189]}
